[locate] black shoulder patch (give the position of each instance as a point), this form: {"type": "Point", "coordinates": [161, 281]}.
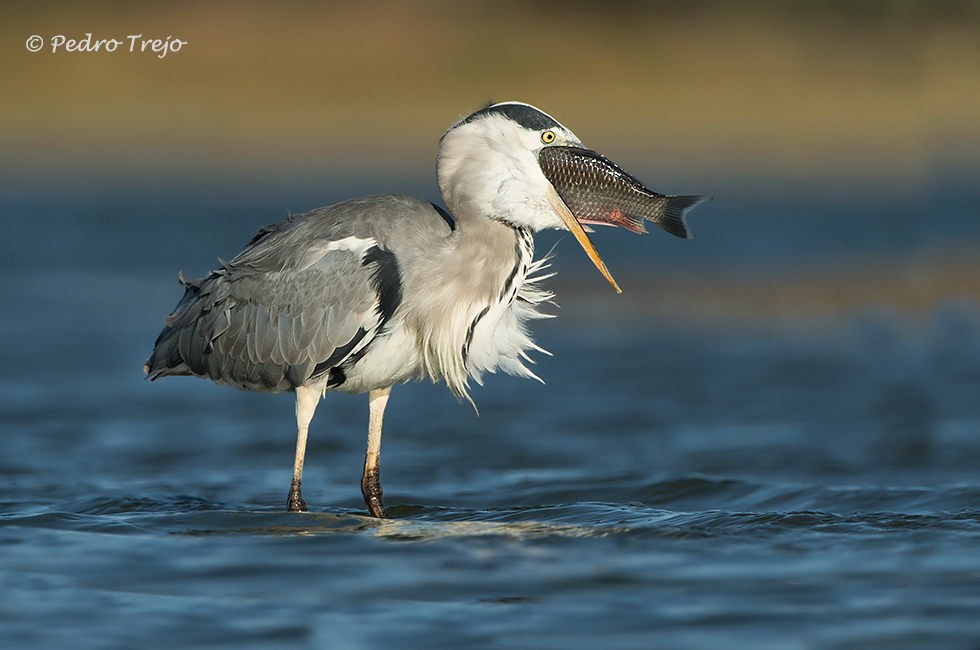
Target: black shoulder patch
{"type": "Point", "coordinates": [387, 280]}
{"type": "Point", "coordinates": [527, 116]}
{"type": "Point", "coordinates": [448, 218]}
{"type": "Point", "coordinates": [339, 354]}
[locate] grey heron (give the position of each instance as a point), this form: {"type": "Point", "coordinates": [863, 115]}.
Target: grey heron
{"type": "Point", "coordinates": [372, 292]}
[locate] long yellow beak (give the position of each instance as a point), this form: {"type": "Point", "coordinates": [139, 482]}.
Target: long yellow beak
{"type": "Point", "coordinates": [576, 229]}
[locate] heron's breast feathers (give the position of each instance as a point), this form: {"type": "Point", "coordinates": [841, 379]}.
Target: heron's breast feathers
{"type": "Point", "coordinates": [475, 332]}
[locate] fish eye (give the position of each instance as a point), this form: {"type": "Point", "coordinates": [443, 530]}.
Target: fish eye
{"type": "Point", "coordinates": [548, 137]}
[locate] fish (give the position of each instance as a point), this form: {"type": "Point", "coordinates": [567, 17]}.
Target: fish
{"type": "Point", "coordinates": [597, 191]}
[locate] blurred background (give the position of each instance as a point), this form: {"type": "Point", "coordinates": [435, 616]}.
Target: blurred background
{"type": "Point", "coordinates": [840, 141]}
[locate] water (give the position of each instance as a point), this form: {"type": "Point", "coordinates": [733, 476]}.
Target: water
{"type": "Point", "coordinates": [670, 486]}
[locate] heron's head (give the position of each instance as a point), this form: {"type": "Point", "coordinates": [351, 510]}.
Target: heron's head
{"type": "Point", "coordinates": [488, 165]}
{"type": "Point", "coordinates": [514, 163]}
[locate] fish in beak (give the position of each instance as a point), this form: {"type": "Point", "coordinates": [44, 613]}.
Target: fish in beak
{"type": "Point", "coordinates": [590, 189]}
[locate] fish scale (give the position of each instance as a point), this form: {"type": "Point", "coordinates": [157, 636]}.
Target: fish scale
{"type": "Point", "coordinates": [596, 190]}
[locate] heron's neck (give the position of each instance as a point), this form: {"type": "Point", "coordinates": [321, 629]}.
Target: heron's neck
{"type": "Point", "coordinates": [489, 256]}
{"type": "Point", "coordinates": [468, 285]}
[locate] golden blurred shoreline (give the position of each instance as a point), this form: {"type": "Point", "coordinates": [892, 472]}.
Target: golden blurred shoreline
{"type": "Point", "coordinates": [806, 298]}
{"type": "Point", "coordinates": [757, 86]}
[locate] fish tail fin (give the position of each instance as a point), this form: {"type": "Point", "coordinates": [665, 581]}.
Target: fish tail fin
{"type": "Point", "coordinates": [674, 219]}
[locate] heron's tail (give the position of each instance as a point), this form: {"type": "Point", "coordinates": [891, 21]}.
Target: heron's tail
{"type": "Point", "coordinates": [166, 358]}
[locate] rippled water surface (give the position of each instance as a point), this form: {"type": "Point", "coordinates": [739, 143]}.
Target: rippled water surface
{"type": "Point", "coordinates": [668, 487]}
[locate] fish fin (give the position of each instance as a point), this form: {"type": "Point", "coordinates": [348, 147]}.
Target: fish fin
{"type": "Point", "coordinates": [634, 224]}
{"type": "Point", "coordinates": [674, 219]}
{"type": "Point", "coordinates": [617, 218]}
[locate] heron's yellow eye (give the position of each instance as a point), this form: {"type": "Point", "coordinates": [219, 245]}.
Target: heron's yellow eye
{"type": "Point", "coordinates": [548, 137]}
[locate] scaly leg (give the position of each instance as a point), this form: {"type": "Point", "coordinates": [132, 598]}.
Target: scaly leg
{"type": "Point", "coordinates": [371, 479]}
{"type": "Point", "coordinates": [306, 401]}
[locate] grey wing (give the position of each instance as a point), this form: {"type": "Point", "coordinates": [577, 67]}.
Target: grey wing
{"type": "Point", "coordinates": [287, 311]}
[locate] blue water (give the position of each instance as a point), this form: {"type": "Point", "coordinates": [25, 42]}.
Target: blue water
{"type": "Point", "coordinates": [669, 486]}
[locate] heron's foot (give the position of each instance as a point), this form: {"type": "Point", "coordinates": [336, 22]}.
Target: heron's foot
{"type": "Point", "coordinates": [294, 502]}
{"type": "Point", "coordinates": [371, 489]}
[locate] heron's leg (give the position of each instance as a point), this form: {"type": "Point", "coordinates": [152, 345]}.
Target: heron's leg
{"type": "Point", "coordinates": [306, 401]}
{"type": "Point", "coordinates": [371, 479]}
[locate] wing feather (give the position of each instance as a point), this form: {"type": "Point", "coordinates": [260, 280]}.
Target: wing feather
{"type": "Point", "coordinates": [313, 289]}
{"type": "Point", "coordinates": [264, 334]}
{"type": "Point", "coordinates": [268, 330]}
